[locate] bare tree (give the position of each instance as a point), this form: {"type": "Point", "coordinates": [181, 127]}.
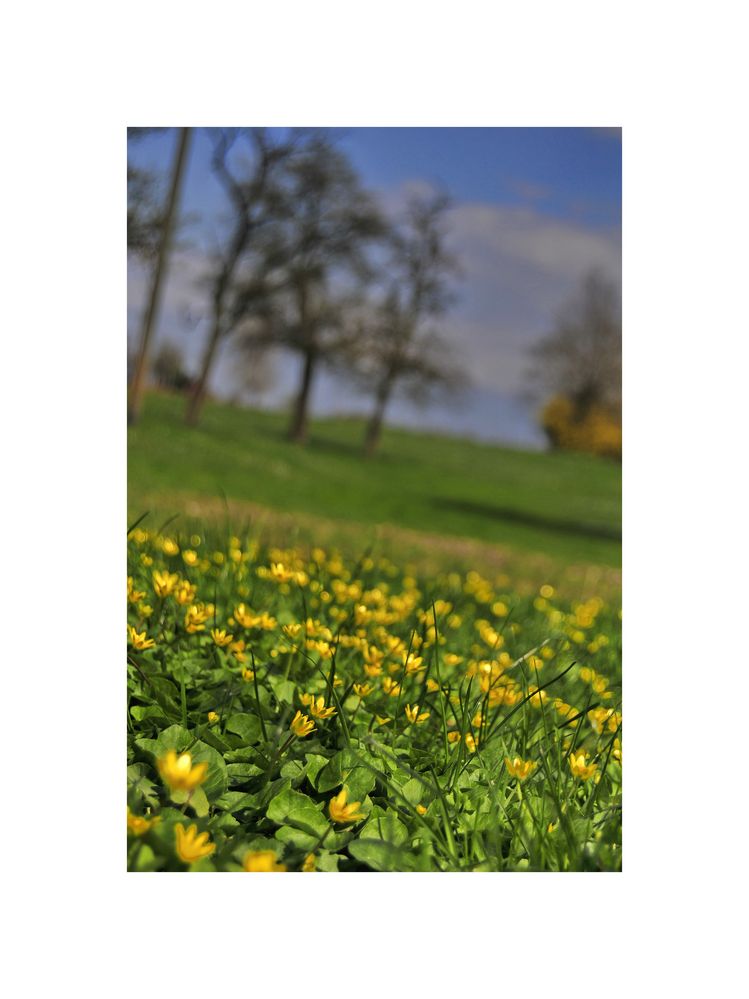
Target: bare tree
{"type": "Point", "coordinates": [398, 350]}
{"type": "Point", "coordinates": [315, 259]}
{"type": "Point", "coordinates": [581, 359]}
{"type": "Point", "coordinates": [254, 191]}
{"type": "Point", "coordinates": [159, 270]}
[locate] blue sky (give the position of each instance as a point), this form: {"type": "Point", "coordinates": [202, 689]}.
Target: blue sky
{"type": "Point", "coordinates": [533, 210]}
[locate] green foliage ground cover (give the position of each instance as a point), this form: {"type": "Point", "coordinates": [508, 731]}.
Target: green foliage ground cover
{"type": "Point", "coordinates": [478, 729]}
{"type": "Point", "coordinates": [564, 506]}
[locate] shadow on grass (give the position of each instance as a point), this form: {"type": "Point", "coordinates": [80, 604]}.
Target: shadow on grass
{"type": "Point", "coordinates": [528, 519]}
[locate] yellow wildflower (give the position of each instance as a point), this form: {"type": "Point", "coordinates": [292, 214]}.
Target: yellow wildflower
{"type": "Point", "coordinates": [164, 583]}
{"type": "Point", "coordinates": [432, 686]}
{"type": "Point", "coordinates": [413, 664]}
{"type": "Point", "coordinates": [309, 863]}
{"type": "Point", "coordinates": [421, 809]}
{"type": "Point", "coordinates": [262, 862]}
{"type": "Point", "coordinates": [580, 767]}
{"type": "Point", "coordinates": [212, 717]}
{"type": "Point", "coordinates": [363, 689]}
{"type": "Point", "coordinates": [192, 845]}
{"type": "Point", "coordinates": [133, 595]}
{"type": "Point", "coordinates": [184, 592]}
{"type": "Point", "coordinates": [301, 725]}
{"type": "Point", "coordinates": [179, 773]}
{"type": "Point", "coordinates": [340, 812]}
{"type": "Point", "coordinates": [190, 557]}
{"type": "Point", "coordinates": [248, 674]}
{"type": "Point", "coordinates": [237, 650]}
{"type": "Point", "coordinates": [221, 638]}
{"type": "Point", "coordinates": [139, 640]}
{"type": "Point", "coordinates": [139, 825]}
{"type": "Point", "coordinates": [169, 547]}
{"type": "Point", "coordinates": [318, 710]}
{"type": "Point", "coordinates": [382, 720]}
{"type": "Point", "coordinates": [412, 713]}
{"type": "Point", "coordinates": [519, 768]}
{"type": "Point", "coordinates": [196, 617]}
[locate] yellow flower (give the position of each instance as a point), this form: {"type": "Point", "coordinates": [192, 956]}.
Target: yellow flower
{"type": "Point", "coordinates": [164, 583]}
{"type": "Point", "coordinates": [421, 809]}
{"type": "Point", "coordinates": [412, 713]}
{"type": "Point", "coordinates": [196, 617]}
{"type": "Point", "coordinates": [413, 664]}
{"type": "Point", "coordinates": [301, 725]}
{"type": "Point", "coordinates": [133, 595]}
{"type": "Point", "coordinates": [138, 825]}
{"type": "Point", "coordinates": [221, 638]}
{"type": "Point", "coordinates": [179, 773]}
{"type": "Point", "coordinates": [169, 547]}
{"type": "Point", "coordinates": [192, 845]}
{"type": "Point", "coordinates": [580, 768]}
{"type": "Point", "coordinates": [391, 686]}
{"type": "Point", "coordinates": [237, 650]}
{"type": "Point", "coordinates": [190, 557]}
{"type": "Point", "coordinates": [248, 674]}
{"type": "Point", "coordinates": [470, 743]}
{"type": "Point", "coordinates": [318, 710]}
{"type": "Point", "coordinates": [280, 573]}
{"type": "Point", "coordinates": [212, 717]}
{"type": "Point", "coordinates": [139, 640]}
{"type": "Point", "coordinates": [184, 592]}
{"type": "Point", "coordinates": [381, 720]}
{"type": "Point", "coordinates": [432, 686]}
{"type": "Point", "coordinates": [519, 768]}
{"type": "Point", "coordinates": [363, 689]}
{"type": "Point", "coordinates": [339, 811]}
{"type": "Point", "coordinates": [262, 862]}
{"type": "Point", "coordinates": [309, 863]}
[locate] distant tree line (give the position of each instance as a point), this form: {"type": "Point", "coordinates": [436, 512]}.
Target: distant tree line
{"type": "Point", "coordinates": [307, 263]}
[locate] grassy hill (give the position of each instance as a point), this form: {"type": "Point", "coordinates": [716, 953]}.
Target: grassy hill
{"type": "Point", "coordinates": [566, 507]}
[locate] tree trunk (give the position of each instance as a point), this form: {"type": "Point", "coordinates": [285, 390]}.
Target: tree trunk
{"type": "Point", "coordinates": [298, 427]}
{"type": "Point", "coordinates": [135, 399]}
{"type": "Point", "coordinates": [374, 427]}
{"type": "Point", "coordinates": [197, 396]}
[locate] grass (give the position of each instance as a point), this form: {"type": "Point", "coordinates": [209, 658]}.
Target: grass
{"type": "Point", "coordinates": [350, 716]}
{"type": "Point", "coordinates": [560, 507]}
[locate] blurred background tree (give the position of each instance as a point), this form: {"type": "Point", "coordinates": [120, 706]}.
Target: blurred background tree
{"type": "Point", "coordinates": [316, 265]}
{"type": "Point", "coordinates": [255, 192]}
{"type": "Point", "coordinates": [579, 365]}
{"type": "Point", "coordinates": [157, 234]}
{"type": "Point", "coordinates": [396, 349]}
{"type": "Point", "coordinates": [169, 368]}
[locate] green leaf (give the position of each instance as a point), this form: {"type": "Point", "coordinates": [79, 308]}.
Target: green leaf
{"type": "Point", "coordinates": [385, 826]}
{"type": "Point", "coordinates": [283, 689]}
{"type": "Point", "coordinates": [380, 856]}
{"type": "Point", "coordinates": [199, 802]}
{"type": "Point", "coordinates": [246, 726]}
{"type": "Point", "coordinates": [140, 785]}
{"type": "Point", "coordinates": [240, 773]}
{"type": "Point", "coordinates": [295, 809]}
